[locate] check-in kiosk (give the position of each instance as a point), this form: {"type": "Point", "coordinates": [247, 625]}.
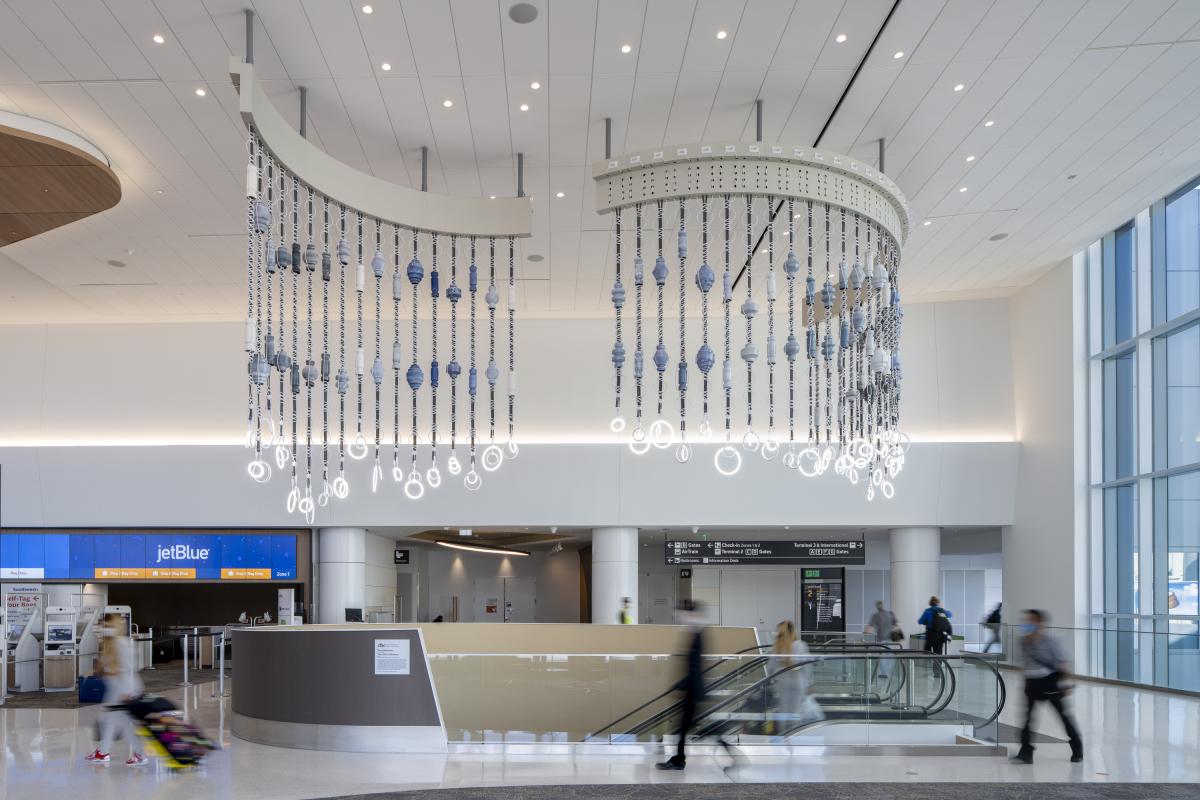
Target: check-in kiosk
{"type": "Point", "coordinates": [87, 639]}
{"type": "Point", "coordinates": [25, 653]}
{"type": "Point", "coordinates": [59, 649]}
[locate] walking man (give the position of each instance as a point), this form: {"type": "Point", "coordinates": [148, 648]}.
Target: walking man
{"type": "Point", "coordinates": [1047, 671]}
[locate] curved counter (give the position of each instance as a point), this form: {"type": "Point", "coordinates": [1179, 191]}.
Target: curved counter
{"type": "Point", "coordinates": [356, 688]}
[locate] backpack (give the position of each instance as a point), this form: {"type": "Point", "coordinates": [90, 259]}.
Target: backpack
{"type": "Point", "coordinates": [941, 627]}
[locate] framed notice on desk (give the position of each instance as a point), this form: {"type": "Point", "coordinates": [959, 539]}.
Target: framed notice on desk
{"type": "Point", "coordinates": [392, 657]}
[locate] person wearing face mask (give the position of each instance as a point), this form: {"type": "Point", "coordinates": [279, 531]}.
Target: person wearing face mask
{"type": "Point", "coordinates": [1047, 671]}
{"type": "Point", "coordinates": [121, 685]}
{"type": "Point", "coordinates": [692, 684]}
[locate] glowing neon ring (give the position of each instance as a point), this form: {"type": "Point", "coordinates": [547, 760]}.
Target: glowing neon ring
{"type": "Point", "coordinates": [358, 448]}
{"type": "Point", "coordinates": [341, 489]}
{"type": "Point", "coordinates": [453, 465]}
{"type": "Point", "coordinates": [639, 433]}
{"type": "Point", "coordinates": [397, 473]}
{"type": "Point", "coordinates": [493, 457]}
{"type": "Point", "coordinates": [683, 453]}
{"type": "Point", "coordinates": [639, 447]}
{"type": "Point", "coordinates": [414, 489]}
{"type": "Point", "coordinates": [723, 454]}
{"type": "Point", "coordinates": [809, 454]}
{"type": "Point", "coordinates": [750, 441]}
{"type": "Point", "coordinates": [376, 477]}
{"type": "Point", "coordinates": [281, 456]}
{"type": "Point", "coordinates": [661, 434]}
{"type": "Point", "coordinates": [617, 425]}
{"type": "Point", "coordinates": [433, 477]}
{"type": "Point", "coordinates": [293, 500]}
{"type": "Point", "coordinates": [705, 427]}
{"type": "Point", "coordinates": [770, 448]}
{"type": "Point", "coordinates": [305, 506]}
{"type": "Point", "coordinates": [259, 470]}
{"type": "Point", "coordinates": [472, 481]}
{"type": "Point", "coordinates": [888, 490]}
{"type": "Point", "coordinates": [513, 450]}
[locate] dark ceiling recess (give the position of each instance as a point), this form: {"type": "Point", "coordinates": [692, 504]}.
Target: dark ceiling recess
{"type": "Point", "coordinates": [828, 121]}
{"type": "Point", "coordinates": [523, 13]}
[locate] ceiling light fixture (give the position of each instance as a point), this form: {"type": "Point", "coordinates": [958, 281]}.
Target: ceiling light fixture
{"type": "Point", "coordinates": [535, 86]}
{"type": "Point", "coordinates": [524, 106]}
{"type": "Point", "coordinates": [447, 103]}
{"type": "Point", "coordinates": [158, 191]}
{"type": "Point", "coordinates": [626, 48]}
{"type": "Point", "coordinates": [927, 222]}
{"type": "Point", "coordinates": [491, 197]}
{"type": "Point", "coordinates": [158, 38]}
{"type": "Point", "coordinates": [559, 194]}
{"type": "Point", "coordinates": [523, 13]}
{"type": "Point", "coordinates": [722, 34]}
{"type": "Point", "coordinates": [970, 159]}
{"type": "Point", "coordinates": [482, 548]}
{"type": "Point", "coordinates": [958, 87]}
{"type": "Point", "coordinates": [997, 237]}
{"type": "Point", "coordinates": [200, 93]}
{"type": "Point", "coordinates": [989, 123]}
{"type": "Point", "coordinates": [841, 37]}
{"type": "Point", "coordinates": [898, 54]}
{"type": "Point", "coordinates": [385, 66]}
{"type": "Point", "coordinates": [367, 9]}
{"type": "Point", "coordinates": [962, 189]}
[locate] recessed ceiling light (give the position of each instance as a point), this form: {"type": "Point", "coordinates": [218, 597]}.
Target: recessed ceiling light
{"type": "Point", "coordinates": [559, 194]}
{"type": "Point", "coordinates": [898, 54]}
{"type": "Point", "coordinates": [997, 237]}
{"type": "Point", "coordinates": [722, 34]}
{"type": "Point", "coordinates": [158, 38]}
{"type": "Point", "coordinates": [535, 86]}
{"type": "Point", "coordinates": [927, 222]}
{"type": "Point", "coordinates": [841, 37]}
{"type": "Point", "coordinates": [158, 191]}
{"type": "Point", "coordinates": [989, 123]}
{"type": "Point", "coordinates": [962, 189]}
{"type": "Point", "coordinates": [524, 106]}
{"type": "Point", "coordinates": [795, 216]}
{"type": "Point", "coordinates": [970, 159]}
{"type": "Point", "coordinates": [447, 103]}
{"type": "Point", "coordinates": [523, 13]}
{"type": "Point", "coordinates": [1072, 177]}
{"type": "Point", "coordinates": [367, 9]}
{"type": "Point", "coordinates": [536, 258]}
{"type": "Point", "coordinates": [491, 197]}
{"type": "Point", "coordinates": [112, 262]}
{"type": "Point", "coordinates": [958, 87]}
{"type": "Point", "coordinates": [385, 66]}
{"type": "Point", "coordinates": [200, 93]}
{"type": "Point", "coordinates": [625, 48]}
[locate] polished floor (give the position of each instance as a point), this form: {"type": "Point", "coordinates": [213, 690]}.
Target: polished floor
{"type": "Point", "coordinates": [1130, 735]}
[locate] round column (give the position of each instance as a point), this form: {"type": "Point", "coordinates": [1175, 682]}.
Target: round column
{"type": "Point", "coordinates": [342, 572]}
{"type": "Point", "coordinates": [614, 573]}
{"type": "Point", "coordinates": [916, 572]}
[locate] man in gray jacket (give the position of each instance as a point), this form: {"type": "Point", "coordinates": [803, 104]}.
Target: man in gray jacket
{"type": "Point", "coordinates": [882, 622]}
{"type": "Point", "coordinates": [1047, 671]}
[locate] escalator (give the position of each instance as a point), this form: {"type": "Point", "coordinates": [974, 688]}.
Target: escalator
{"type": "Point", "coordinates": [767, 698]}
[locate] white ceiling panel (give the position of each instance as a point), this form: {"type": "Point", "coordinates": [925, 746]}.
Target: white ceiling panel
{"type": "Point", "coordinates": [1089, 88]}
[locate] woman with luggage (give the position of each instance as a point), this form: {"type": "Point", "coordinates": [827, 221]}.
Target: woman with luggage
{"type": "Point", "coordinates": [121, 685]}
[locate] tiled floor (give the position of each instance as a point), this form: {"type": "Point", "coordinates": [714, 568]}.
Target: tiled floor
{"type": "Point", "coordinates": [1131, 735]}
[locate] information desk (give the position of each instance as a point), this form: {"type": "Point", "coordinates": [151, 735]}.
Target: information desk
{"type": "Point", "coordinates": [355, 688]}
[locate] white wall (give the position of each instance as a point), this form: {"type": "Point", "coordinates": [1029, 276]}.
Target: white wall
{"type": "Point", "coordinates": [454, 573]}
{"type": "Point", "coordinates": [1045, 551]}
{"type": "Point", "coordinates": [380, 573]}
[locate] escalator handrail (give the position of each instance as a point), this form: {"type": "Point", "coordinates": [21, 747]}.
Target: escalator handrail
{"type": "Point", "coordinates": [671, 690]}
{"type": "Point", "coordinates": [943, 662]}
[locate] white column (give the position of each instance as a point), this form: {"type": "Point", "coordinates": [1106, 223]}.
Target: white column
{"type": "Point", "coordinates": [916, 573]}
{"type": "Point", "coordinates": [342, 571]}
{"type": "Point", "coordinates": [614, 573]}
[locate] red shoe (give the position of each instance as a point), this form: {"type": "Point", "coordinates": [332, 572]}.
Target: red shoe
{"type": "Point", "coordinates": [137, 760]}
{"type": "Point", "coordinates": [97, 757]}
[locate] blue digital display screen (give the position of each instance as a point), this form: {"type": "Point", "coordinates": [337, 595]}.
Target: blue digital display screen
{"type": "Point", "coordinates": [148, 556]}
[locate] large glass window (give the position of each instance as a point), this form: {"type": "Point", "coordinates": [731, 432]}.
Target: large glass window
{"type": "Point", "coordinates": [1120, 416]}
{"type": "Point", "coordinates": [1177, 358]}
{"type": "Point", "coordinates": [1178, 274]}
{"type": "Point", "coordinates": [1119, 293]}
{"type": "Point", "coordinates": [1147, 562]}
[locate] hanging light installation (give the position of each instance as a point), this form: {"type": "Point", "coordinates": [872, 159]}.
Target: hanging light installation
{"type": "Point", "coordinates": [845, 327]}
{"type": "Point", "coordinates": [277, 193]}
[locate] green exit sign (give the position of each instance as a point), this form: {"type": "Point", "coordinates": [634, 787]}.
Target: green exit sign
{"type": "Point", "coordinates": [812, 573]}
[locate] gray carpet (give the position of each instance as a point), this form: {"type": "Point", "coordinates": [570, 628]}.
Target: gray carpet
{"type": "Point", "coordinates": [811, 791]}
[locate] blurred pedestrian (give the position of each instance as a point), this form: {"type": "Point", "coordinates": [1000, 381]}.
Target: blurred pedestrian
{"type": "Point", "coordinates": [692, 683]}
{"type": "Point", "coordinates": [938, 629]}
{"type": "Point", "coordinates": [992, 626]}
{"type": "Point", "coordinates": [1047, 675]}
{"type": "Point", "coordinates": [625, 615]}
{"type": "Point", "coordinates": [121, 685]}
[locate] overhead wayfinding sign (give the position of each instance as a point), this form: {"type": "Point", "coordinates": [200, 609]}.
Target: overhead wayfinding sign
{"type": "Point", "coordinates": [732, 553]}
